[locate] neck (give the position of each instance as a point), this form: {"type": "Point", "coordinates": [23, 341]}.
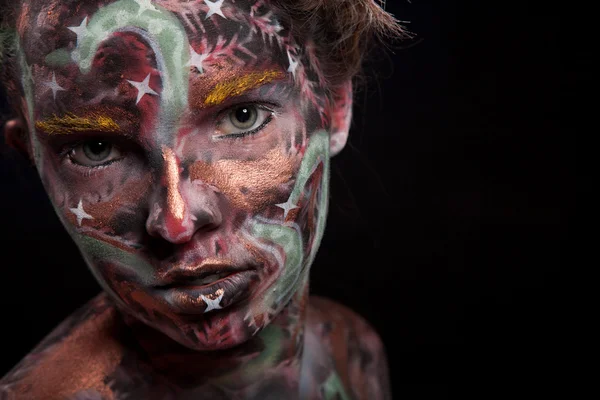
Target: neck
{"type": "Point", "coordinates": [270, 362]}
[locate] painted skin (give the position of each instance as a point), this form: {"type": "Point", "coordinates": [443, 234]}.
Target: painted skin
{"type": "Point", "coordinates": [185, 146]}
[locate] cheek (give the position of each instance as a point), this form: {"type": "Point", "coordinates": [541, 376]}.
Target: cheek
{"type": "Point", "coordinates": [250, 185]}
{"type": "Point", "coordinates": [110, 197]}
{"type": "Point", "coordinates": [117, 207]}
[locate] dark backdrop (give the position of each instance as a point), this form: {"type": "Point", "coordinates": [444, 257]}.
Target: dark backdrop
{"type": "Point", "coordinates": [448, 210]}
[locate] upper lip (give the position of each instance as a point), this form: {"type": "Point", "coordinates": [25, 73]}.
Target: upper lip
{"type": "Point", "coordinates": [185, 274]}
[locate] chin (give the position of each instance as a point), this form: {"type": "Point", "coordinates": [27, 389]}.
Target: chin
{"type": "Point", "coordinates": [212, 331]}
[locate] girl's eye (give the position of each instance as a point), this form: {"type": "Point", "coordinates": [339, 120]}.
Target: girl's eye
{"type": "Point", "coordinates": [94, 153]}
{"type": "Point", "coordinates": [242, 121]}
{"type": "Point", "coordinates": [243, 117]}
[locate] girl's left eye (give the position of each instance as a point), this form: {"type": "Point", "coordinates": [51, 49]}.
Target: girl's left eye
{"type": "Point", "coordinates": [243, 121]}
{"type": "Point", "coordinates": [94, 153]}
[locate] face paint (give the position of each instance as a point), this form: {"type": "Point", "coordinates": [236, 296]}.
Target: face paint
{"type": "Point", "coordinates": [250, 185]}
{"type": "Point", "coordinates": [183, 147]}
{"type": "Point", "coordinates": [70, 123]}
{"type": "Point", "coordinates": [288, 236]}
{"type": "Point", "coordinates": [174, 200]}
{"type": "Point", "coordinates": [239, 85]}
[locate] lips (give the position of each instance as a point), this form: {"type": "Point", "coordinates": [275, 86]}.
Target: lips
{"type": "Point", "coordinates": [202, 274]}
{"type": "Point", "coordinates": [206, 288]}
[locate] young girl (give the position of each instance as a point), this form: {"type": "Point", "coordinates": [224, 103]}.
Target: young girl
{"type": "Point", "coordinates": [185, 146]}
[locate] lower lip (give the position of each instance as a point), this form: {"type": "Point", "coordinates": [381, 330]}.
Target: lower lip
{"type": "Point", "coordinates": [188, 299]}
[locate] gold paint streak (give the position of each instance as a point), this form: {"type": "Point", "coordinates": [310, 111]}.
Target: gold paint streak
{"type": "Point", "coordinates": [216, 294]}
{"type": "Point", "coordinates": [174, 200]}
{"type": "Point", "coordinates": [238, 85]}
{"type": "Point", "coordinates": [207, 262]}
{"type": "Point", "coordinates": [80, 361]}
{"type": "Point", "coordinates": [249, 185]}
{"type": "Point", "coordinates": [70, 123]}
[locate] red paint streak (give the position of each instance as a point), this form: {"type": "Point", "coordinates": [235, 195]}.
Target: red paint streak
{"type": "Point", "coordinates": [174, 228]}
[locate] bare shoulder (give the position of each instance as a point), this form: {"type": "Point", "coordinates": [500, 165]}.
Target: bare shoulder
{"type": "Point", "coordinates": [74, 358]}
{"type": "Point", "coordinates": [356, 348]}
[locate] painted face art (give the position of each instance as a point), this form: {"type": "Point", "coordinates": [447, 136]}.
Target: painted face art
{"type": "Point", "coordinates": [184, 146]}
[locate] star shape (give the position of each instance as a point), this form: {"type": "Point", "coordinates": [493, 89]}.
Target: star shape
{"type": "Point", "coordinates": [196, 60]}
{"type": "Point", "coordinates": [214, 8]}
{"type": "Point", "coordinates": [143, 88]}
{"type": "Point", "coordinates": [287, 207]}
{"type": "Point", "coordinates": [251, 321]}
{"type": "Point", "coordinates": [54, 86]}
{"type": "Point", "coordinates": [145, 5]}
{"type": "Point", "coordinates": [80, 30]}
{"type": "Point", "coordinates": [293, 64]}
{"type": "Point", "coordinates": [212, 304]}
{"type": "Point", "coordinates": [80, 213]}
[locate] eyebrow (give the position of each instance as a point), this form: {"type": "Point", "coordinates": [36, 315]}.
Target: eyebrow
{"type": "Point", "coordinates": [71, 123]}
{"type": "Point", "coordinates": [239, 85]}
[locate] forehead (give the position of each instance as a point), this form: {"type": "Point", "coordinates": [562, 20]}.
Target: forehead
{"type": "Point", "coordinates": [245, 29]}
{"type": "Point", "coordinates": [98, 48]}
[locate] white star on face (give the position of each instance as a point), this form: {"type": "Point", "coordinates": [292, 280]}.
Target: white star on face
{"type": "Point", "coordinates": [212, 304]}
{"type": "Point", "coordinates": [145, 5]}
{"type": "Point", "coordinates": [293, 65]}
{"type": "Point", "coordinates": [196, 60]}
{"type": "Point", "coordinates": [54, 86]}
{"type": "Point", "coordinates": [214, 8]}
{"type": "Point", "coordinates": [143, 88]}
{"type": "Point", "coordinates": [80, 30]}
{"type": "Point", "coordinates": [80, 213]}
{"type": "Point", "coordinates": [287, 207]}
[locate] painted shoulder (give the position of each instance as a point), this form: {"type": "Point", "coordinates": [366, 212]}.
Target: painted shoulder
{"type": "Point", "coordinates": [356, 349]}
{"type": "Point", "coordinates": [74, 358]}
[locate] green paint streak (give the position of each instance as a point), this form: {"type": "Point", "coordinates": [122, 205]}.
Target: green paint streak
{"type": "Point", "coordinates": [290, 239]}
{"type": "Point", "coordinates": [7, 43]}
{"type": "Point", "coordinates": [333, 387]}
{"type": "Point", "coordinates": [95, 250]}
{"type": "Point", "coordinates": [273, 337]}
{"type": "Point", "coordinates": [291, 242]}
{"type": "Point", "coordinates": [58, 58]}
{"type": "Point", "coordinates": [317, 148]}
{"type": "Point", "coordinates": [268, 359]}
{"type": "Point", "coordinates": [323, 148]}
{"type": "Point", "coordinates": [27, 84]}
{"type": "Point", "coordinates": [167, 38]}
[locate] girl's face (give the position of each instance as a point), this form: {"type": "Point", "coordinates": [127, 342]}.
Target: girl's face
{"type": "Point", "coordinates": [185, 147]}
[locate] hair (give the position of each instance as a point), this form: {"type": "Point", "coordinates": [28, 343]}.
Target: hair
{"type": "Point", "coordinates": [342, 32]}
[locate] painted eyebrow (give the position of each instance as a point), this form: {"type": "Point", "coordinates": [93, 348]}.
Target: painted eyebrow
{"type": "Point", "coordinates": [71, 123]}
{"type": "Point", "coordinates": [238, 85]}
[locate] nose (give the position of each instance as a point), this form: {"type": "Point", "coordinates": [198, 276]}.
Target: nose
{"type": "Point", "coordinates": [179, 208]}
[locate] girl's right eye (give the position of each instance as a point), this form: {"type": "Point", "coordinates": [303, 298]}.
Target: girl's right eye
{"type": "Point", "coordinates": [95, 153]}
{"type": "Point", "coordinates": [242, 121]}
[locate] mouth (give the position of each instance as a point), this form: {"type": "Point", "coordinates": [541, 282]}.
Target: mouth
{"type": "Point", "coordinates": [209, 279]}
{"type": "Point", "coordinates": [206, 288]}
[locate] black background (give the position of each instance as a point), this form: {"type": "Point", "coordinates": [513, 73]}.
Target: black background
{"type": "Point", "coordinates": [448, 213]}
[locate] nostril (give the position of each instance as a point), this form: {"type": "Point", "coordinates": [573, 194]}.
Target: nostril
{"type": "Point", "coordinates": [205, 221]}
